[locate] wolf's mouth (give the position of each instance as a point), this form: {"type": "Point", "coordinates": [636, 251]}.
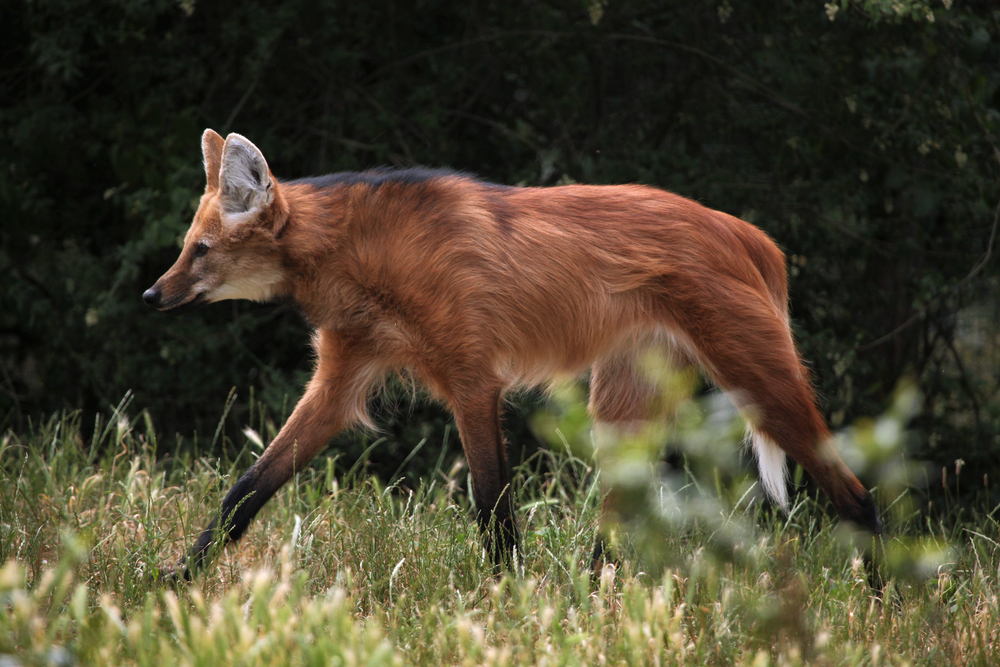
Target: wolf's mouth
{"type": "Point", "coordinates": [168, 307]}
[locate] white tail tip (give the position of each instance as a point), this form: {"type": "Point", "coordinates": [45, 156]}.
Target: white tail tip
{"type": "Point", "coordinates": [772, 466]}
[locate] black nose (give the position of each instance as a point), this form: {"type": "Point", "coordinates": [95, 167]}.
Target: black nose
{"type": "Point", "coordinates": [151, 297]}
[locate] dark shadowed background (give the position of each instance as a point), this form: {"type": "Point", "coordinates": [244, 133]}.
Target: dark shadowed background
{"type": "Point", "coordinates": [861, 136]}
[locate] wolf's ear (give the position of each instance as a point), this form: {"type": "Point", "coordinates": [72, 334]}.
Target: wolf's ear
{"type": "Point", "coordinates": [211, 148]}
{"type": "Point", "coordinates": [244, 180]}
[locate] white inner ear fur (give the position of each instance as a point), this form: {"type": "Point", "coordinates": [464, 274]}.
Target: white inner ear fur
{"type": "Point", "coordinates": [244, 180]}
{"type": "Point", "coordinates": [233, 219]}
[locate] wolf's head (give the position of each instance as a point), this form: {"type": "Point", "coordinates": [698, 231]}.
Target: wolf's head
{"type": "Point", "coordinates": [231, 250]}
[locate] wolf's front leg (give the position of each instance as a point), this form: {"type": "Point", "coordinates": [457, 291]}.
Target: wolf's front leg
{"type": "Point", "coordinates": [334, 399]}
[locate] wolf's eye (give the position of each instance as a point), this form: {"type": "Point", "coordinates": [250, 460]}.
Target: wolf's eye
{"type": "Point", "coordinates": [201, 249]}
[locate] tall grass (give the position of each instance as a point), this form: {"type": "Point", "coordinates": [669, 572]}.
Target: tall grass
{"type": "Point", "coordinates": [345, 570]}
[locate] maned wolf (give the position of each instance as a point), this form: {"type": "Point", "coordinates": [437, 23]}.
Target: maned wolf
{"type": "Point", "coordinates": [475, 289]}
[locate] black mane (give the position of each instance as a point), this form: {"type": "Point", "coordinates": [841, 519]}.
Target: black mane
{"type": "Point", "coordinates": [377, 177]}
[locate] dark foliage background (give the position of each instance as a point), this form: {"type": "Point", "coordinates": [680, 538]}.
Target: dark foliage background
{"type": "Point", "coordinates": [865, 145]}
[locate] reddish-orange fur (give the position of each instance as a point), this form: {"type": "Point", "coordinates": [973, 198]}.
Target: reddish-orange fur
{"type": "Point", "coordinates": [475, 289]}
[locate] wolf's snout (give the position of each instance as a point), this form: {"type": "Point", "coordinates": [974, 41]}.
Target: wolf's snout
{"type": "Point", "coordinates": [151, 297]}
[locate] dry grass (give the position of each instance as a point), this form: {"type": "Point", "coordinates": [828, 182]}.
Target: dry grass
{"type": "Point", "coordinates": [345, 572]}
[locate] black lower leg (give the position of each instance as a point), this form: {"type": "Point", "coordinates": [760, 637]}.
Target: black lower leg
{"type": "Point", "coordinates": [602, 556]}
{"type": "Point", "coordinates": [863, 512]}
{"type": "Point", "coordinates": [239, 507]}
{"type": "Point", "coordinates": [873, 558]}
{"type": "Point", "coordinates": [500, 533]}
